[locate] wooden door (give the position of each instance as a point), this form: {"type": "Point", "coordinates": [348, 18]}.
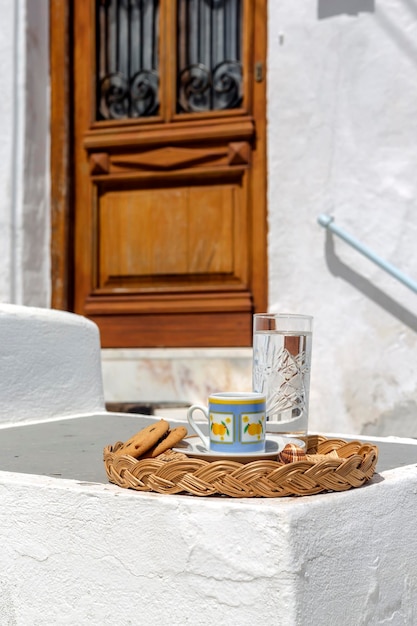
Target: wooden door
{"type": "Point", "coordinates": [169, 170]}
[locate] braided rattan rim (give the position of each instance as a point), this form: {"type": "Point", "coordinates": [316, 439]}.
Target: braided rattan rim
{"type": "Point", "coordinates": [330, 465]}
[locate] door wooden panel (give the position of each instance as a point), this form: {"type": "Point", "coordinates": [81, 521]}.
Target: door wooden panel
{"type": "Point", "coordinates": [165, 235]}
{"type": "Point", "coordinates": [169, 187]}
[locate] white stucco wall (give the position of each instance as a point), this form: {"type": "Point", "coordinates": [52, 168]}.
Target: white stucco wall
{"type": "Point", "coordinates": [24, 152]}
{"type": "Point", "coordinates": [6, 143]}
{"type": "Point", "coordinates": [342, 119]}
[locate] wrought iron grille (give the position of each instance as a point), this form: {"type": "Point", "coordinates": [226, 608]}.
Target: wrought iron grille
{"type": "Point", "coordinates": [127, 58]}
{"type": "Point", "coordinates": [209, 55]}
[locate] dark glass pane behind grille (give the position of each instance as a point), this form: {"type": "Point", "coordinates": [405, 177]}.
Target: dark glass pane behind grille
{"type": "Point", "coordinates": [209, 55]}
{"type": "Point", "coordinates": [127, 58]}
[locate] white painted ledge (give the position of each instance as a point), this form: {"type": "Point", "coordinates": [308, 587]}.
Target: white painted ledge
{"type": "Point", "coordinates": [50, 364]}
{"type": "Point", "coordinates": [76, 552]}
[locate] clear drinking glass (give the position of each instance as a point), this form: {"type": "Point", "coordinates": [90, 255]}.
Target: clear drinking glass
{"type": "Point", "coordinates": [281, 369]}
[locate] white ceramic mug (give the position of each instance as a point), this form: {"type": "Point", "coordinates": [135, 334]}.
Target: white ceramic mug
{"type": "Point", "coordinates": [236, 422]}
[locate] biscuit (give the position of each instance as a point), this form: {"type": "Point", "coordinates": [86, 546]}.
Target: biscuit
{"type": "Point", "coordinates": [173, 437]}
{"type": "Point", "coordinates": [145, 439]}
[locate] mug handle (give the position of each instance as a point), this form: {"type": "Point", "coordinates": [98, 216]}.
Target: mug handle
{"type": "Point", "coordinates": [194, 426]}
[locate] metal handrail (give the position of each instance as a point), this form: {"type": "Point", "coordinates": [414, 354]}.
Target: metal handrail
{"type": "Point", "coordinates": [328, 222]}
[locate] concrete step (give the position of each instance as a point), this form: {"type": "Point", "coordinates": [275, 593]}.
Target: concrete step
{"type": "Point", "coordinates": [184, 376]}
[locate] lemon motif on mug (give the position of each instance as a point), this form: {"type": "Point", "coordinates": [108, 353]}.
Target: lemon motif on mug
{"type": "Point", "coordinates": [220, 426]}
{"type": "Point", "coordinates": [253, 425]}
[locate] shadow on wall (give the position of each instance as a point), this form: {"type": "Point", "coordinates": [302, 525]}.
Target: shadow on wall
{"type": "Point", "coordinates": [331, 8]}
{"type": "Point", "coordinates": [399, 421]}
{"type": "Point", "coordinates": [401, 37]}
{"type": "Point", "coordinates": [337, 268]}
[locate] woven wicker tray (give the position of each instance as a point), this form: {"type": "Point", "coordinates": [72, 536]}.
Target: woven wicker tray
{"type": "Point", "coordinates": [330, 465]}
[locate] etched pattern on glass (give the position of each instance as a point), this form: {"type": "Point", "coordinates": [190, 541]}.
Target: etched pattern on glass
{"type": "Point", "coordinates": [281, 375]}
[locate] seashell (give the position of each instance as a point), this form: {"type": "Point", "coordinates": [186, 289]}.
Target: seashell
{"type": "Point", "coordinates": [291, 453]}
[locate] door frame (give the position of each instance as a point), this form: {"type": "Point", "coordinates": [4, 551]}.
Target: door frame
{"type": "Point", "coordinates": [60, 39]}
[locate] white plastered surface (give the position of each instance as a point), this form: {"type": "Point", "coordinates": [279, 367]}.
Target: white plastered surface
{"type": "Point", "coordinates": [49, 363]}
{"type": "Point", "coordinates": [85, 553]}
